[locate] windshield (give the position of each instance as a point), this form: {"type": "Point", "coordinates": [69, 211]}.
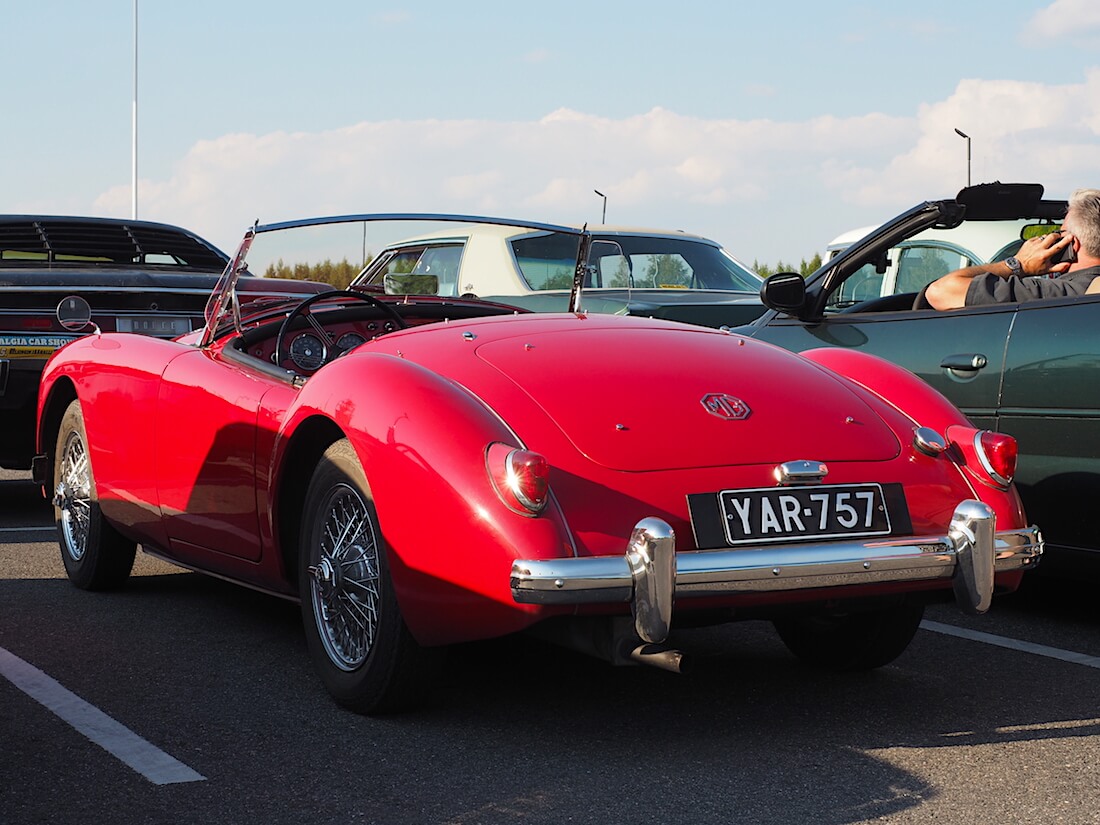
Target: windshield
{"type": "Point", "coordinates": [653, 262]}
{"type": "Point", "coordinates": [908, 265]}
{"type": "Point", "coordinates": [334, 250]}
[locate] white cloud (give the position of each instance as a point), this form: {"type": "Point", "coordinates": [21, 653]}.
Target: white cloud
{"type": "Point", "coordinates": [1075, 18]}
{"type": "Point", "coordinates": [795, 184]}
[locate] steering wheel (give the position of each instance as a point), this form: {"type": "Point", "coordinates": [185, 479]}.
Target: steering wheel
{"type": "Point", "coordinates": [302, 310]}
{"type": "Point", "coordinates": [921, 301]}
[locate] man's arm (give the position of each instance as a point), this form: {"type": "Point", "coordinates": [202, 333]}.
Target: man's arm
{"type": "Point", "coordinates": [949, 292]}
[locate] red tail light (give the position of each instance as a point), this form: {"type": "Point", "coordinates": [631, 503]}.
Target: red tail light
{"type": "Point", "coordinates": [997, 453]}
{"type": "Point", "coordinates": [521, 478]}
{"type": "Point", "coordinates": [990, 457]}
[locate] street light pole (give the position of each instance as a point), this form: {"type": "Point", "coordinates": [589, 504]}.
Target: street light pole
{"type": "Point", "coordinates": [963, 134]}
{"type": "Point", "coordinates": [602, 195]}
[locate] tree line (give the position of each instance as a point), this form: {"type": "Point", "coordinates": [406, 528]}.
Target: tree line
{"type": "Point", "coordinates": [337, 274]}
{"type": "Point", "coordinates": [804, 268]}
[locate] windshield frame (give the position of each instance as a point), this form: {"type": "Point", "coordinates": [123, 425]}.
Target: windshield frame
{"type": "Point", "coordinates": [223, 305]}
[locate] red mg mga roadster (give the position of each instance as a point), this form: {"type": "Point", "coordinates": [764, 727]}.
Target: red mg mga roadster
{"type": "Point", "coordinates": [419, 471]}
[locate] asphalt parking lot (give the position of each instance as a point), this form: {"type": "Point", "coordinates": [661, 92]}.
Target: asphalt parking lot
{"type": "Point", "coordinates": [186, 699]}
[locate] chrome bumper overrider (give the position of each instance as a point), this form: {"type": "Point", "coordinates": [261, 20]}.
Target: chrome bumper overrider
{"type": "Point", "coordinates": [651, 573]}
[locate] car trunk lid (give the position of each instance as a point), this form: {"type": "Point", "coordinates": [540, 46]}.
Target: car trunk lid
{"type": "Point", "coordinates": [699, 399]}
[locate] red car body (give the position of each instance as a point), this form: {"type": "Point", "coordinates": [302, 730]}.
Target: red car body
{"type": "Point", "coordinates": [626, 431]}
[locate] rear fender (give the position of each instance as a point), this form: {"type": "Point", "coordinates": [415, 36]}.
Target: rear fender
{"type": "Point", "coordinates": [896, 386]}
{"type": "Point", "coordinates": [422, 441]}
{"type": "Point", "coordinates": [924, 406]}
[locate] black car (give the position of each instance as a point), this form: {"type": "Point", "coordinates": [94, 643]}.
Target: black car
{"type": "Point", "coordinates": [134, 276]}
{"type": "Point", "coordinates": [1027, 369]}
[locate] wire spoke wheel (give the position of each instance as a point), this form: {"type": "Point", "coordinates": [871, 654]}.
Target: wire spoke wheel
{"type": "Point", "coordinates": [73, 496]}
{"type": "Point", "coordinates": [355, 631]}
{"type": "Point", "coordinates": [95, 554]}
{"type": "Point", "coordinates": [344, 586]}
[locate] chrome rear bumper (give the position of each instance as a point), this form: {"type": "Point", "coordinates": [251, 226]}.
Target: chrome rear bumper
{"type": "Point", "coordinates": [651, 574]}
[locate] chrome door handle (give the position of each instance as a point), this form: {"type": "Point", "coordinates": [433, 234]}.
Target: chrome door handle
{"type": "Point", "coordinates": [965, 362]}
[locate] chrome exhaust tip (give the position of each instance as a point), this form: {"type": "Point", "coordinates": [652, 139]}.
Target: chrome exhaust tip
{"type": "Point", "coordinates": [662, 657]}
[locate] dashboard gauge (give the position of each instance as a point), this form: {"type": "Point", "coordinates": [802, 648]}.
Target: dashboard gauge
{"type": "Point", "coordinates": [349, 340]}
{"type": "Point", "coordinates": [308, 352]}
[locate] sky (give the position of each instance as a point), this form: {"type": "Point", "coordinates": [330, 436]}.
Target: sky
{"type": "Point", "coordinates": [771, 127]}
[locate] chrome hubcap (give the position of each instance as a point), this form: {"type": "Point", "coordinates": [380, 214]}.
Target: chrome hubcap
{"type": "Point", "coordinates": [344, 582]}
{"type": "Point", "coordinates": [73, 497]}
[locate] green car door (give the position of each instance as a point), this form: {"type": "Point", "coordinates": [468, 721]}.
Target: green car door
{"type": "Point", "coordinates": [1051, 403]}
{"type": "Point", "coordinates": [960, 353]}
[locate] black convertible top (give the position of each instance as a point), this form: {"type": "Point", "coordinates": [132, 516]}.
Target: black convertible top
{"type": "Point", "coordinates": [33, 240]}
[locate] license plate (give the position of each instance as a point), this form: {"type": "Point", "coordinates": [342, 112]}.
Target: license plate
{"type": "Point", "coordinates": [770, 514]}
{"type": "Point", "coordinates": [166, 325]}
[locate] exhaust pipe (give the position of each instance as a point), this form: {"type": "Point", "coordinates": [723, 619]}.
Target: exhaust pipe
{"type": "Point", "coordinates": [663, 657]}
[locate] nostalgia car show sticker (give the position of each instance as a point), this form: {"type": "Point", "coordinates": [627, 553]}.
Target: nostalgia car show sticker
{"type": "Point", "coordinates": [32, 346]}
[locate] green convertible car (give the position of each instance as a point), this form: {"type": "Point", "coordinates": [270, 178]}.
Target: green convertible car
{"type": "Point", "coordinates": [1027, 369]}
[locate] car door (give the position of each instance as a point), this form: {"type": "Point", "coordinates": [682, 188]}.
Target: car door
{"type": "Point", "coordinates": [206, 456]}
{"type": "Point", "coordinates": [960, 353]}
{"type": "Point", "coordinates": [1051, 404]}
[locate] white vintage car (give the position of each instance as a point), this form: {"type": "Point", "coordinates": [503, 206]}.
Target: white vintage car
{"type": "Point", "coordinates": [631, 271]}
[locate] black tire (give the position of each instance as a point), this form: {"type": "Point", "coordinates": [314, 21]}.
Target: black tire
{"type": "Point", "coordinates": [852, 641]}
{"type": "Point", "coordinates": [356, 636]}
{"type": "Point", "coordinates": [96, 556]}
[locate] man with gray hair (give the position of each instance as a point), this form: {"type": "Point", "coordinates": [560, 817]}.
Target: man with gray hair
{"type": "Point", "coordinates": [1069, 259]}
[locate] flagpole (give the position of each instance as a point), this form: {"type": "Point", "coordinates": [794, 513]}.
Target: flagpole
{"type": "Point", "coordinates": [134, 128]}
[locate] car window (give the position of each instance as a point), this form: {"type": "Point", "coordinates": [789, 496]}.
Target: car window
{"type": "Point", "coordinates": [632, 261]}
{"type": "Point", "coordinates": [862, 285]}
{"type": "Point", "coordinates": [653, 262]}
{"type": "Point", "coordinates": [546, 260]}
{"type": "Point", "coordinates": [441, 260]}
{"type": "Point", "coordinates": [918, 266]}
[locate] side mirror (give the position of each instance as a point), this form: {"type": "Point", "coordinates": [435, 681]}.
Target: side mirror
{"type": "Point", "coordinates": [784, 292]}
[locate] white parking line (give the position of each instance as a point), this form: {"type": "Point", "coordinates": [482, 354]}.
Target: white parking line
{"type": "Point", "coordinates": [1014, 644]}
{"type": "Point", "coordinates": [118, 740]}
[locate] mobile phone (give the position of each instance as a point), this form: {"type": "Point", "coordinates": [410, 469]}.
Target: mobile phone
{"type": "Point", "coordinates": [1066, 256]}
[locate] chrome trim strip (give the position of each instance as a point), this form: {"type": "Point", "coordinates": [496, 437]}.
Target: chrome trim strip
{"type": "Point", "coordinates": [443, 217]}
{"type": "Point", "coordinates": [143, 289]}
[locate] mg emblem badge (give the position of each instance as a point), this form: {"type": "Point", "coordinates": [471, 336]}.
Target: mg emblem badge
{"type": "Point", "coordinates": [725, 406]}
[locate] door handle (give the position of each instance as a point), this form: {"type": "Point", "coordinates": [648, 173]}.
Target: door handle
{"type": "Point", "coordinates": [965, 362]}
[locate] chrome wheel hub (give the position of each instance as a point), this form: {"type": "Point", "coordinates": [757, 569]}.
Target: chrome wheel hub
{"type": "Point", "coordinates": [344, 581]}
